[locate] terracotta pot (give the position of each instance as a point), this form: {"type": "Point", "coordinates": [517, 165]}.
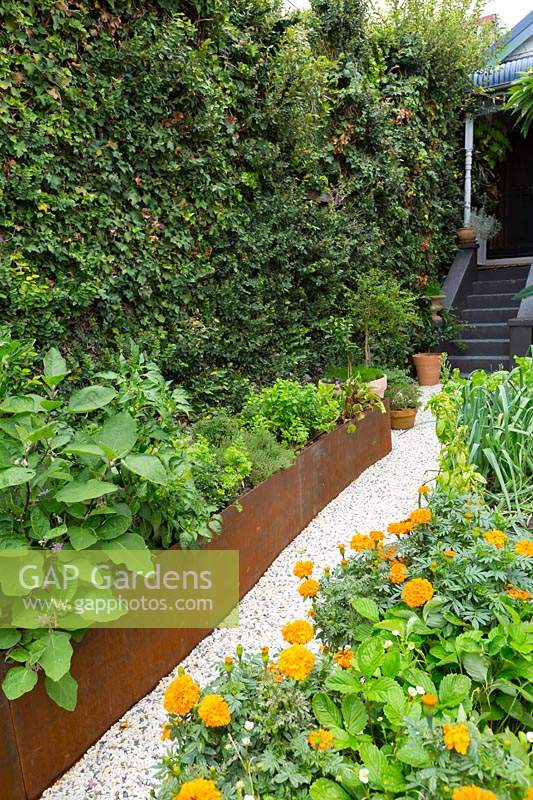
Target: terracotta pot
{"type": "Point", "coordinates": [466, 236]}
{"type": "Point", "coordinates": [379, 386]}
{"type": "Point", "coordinates": [436, 306]}
{"type": "Point", "coordinates": [427, 367]}
{"type": "Point", "coordinates": [402, 420]}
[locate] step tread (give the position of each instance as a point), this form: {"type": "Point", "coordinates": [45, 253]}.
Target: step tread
{"type": "Point", "coordinates": [475, 358]}
{"type": "Point", "coordinates": [492, 341]}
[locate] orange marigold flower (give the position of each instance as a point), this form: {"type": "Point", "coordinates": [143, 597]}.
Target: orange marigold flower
{"type": "Point", "coordinates": [524, 548]}
{"type": "Point", "coordinates": [341, 547]}
{"type": "Point", "coordinates": [181, 695]}
{"type": "Point", "coordinates": [360, 543]}
{"type": "Point", "coordinates": [421, 516]}
{"type": "Point", "coordinates": [298, 632]}
{"type": "Point", "coordinates": [303, 569]}
{"type": "Point", "coordinates": [296, 662]}
{"type": "Point", "coordinates": [424, 489]}
{"type": "Point", "coordinates": [320, 739]}
{"type": "Point", "coordinates": [417, 592]}
{"type": "Point", "coordinates": [473, 793]}
{"type": "Point", "coordinates": [398, 572]}
{"type": "Point", "coordinates": [518, 594]}
{"type": "Point", "coordinates": [396, 528]}
{"type": "Point", "coordinates": [214, 711]}
{"type": "Point", "coordinates": [388, 553]}
{"type": "Point", "coordinates": [198, 789]}
{"type": "Point", "coordinates": [165, 732]}
{"type": "Point", "coordinates": [311, 613]}
{"type": "Point", "coordinates": [344, 562]}
{"type": "Point", "coordinates": [450, 553]}
{"type": "Point", "coordinates": [429, 700]}
{"type": "Point", "coordinates": [497, 538]}
{"type": "Point", "coordinates": [456, 737]}
{"type": "Point", "coordinates": [344, 658]}
{"type": "Point", "coordinates": [308, 588]}
{"type": "Point", "coordinates": [529, 793]}
{"type": "Point", "coordinates": [377, 537]}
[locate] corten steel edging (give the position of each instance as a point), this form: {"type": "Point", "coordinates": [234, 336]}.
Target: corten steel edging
{"type": "Point", "coordinates": [116, 668]}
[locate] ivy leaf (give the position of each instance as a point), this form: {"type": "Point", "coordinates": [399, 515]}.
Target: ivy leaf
{"type": "Point", "coordinates": [90, 398]}
{"type": "Point", "coordinates": [64, 692]}
{"type": "Point", "coordinates": [55, 659]}
{"type": "Point", "coordinates": [18, 681]}
{"type": "Point", "coordinates": [326, 711]}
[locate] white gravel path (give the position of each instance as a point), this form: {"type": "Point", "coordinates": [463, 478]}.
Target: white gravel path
{"type": "Point", "coordinates": [119, 765]}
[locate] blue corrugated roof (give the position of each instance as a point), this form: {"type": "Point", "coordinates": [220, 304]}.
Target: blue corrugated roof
{"type": "Point", "coordinates": [502, 75]}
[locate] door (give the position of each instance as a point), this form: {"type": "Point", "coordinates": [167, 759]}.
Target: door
{"type": "Point", "coordinates": [516, 201]}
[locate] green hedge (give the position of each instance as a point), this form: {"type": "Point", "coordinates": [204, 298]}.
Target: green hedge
{"type": "Point", "coordinates": [156, 163]}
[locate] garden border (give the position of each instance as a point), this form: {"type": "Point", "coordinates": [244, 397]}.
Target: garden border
{"type": "Point", "coordinates": [39, 741]}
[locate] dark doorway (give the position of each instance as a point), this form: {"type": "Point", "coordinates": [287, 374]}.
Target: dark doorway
{"type": "Point", "coordinates": [515, 192]}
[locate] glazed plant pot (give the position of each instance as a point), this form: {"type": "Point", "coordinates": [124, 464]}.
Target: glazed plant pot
{"type": "Point", "coordinates": [402, 419]}
{"type": "Point", "coordinates": [466, 237]}
{"type": "Point", "coordinates": [427, 367]}
{"type": "Point", "coordinates": [379, 386]}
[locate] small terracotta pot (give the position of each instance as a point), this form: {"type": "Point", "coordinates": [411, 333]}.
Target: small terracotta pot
{"type": "Point", "coordinates": [379, 386]}
{"type": "Point", "coordinates": [402, 420]}
{"type": "Point", "coordinates": [427, 367]}
{"type": "Point", "coordinates": [466, 236]}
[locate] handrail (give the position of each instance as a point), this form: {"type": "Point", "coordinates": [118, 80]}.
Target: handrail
{"type": "Point", "coordinates": [460, 277]}
{"type": "Point", "coordinates": [521, 328]}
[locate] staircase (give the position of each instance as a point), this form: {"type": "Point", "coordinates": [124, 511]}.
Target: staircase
{"type": "Point", "coordinates": [485, 312]}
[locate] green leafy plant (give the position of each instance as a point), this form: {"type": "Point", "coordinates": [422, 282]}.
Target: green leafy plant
{"type": "Point", "coordinates": [402, 391]}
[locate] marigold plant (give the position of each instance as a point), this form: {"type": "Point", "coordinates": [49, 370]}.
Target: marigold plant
{"type": "Point", "coordinates": [198, 789]}
{"type": "Point", "coordinates": [473, 793]}
{"type": "Point", "coordinates": [524, 548]}
{"type": "Point", "coordinates": [398, 572]}
{"type": "Point", "coordinates": [424, 489]}
{"type": "Point", "coordinates": [360, 542]}
{"type": "Point", "coordinates": [320, 739]}
{"type": "Point", "coordinates": [344, 658]}
{"type": "Point", "coordinates": [417, 592]}
{"type": "Point", "coordinates": [518, 594]}
{"type": "Point", "coordinates": [308, 588]}
{"type": "Point", "coordinates": [456, 737]}
{"type": "Point", "coordinates": [303, 569]}
{"type": "Point", "coordinates": [296, 662]}
{"type": "Point", "coordinates": [420, 516]}
{"type": "Point", "coordinates": [214, 711]}
{"type": "Point", "coordinates": [429, 700]}
{"type": "Point", "coordinates": [450, 553]}
{"type": "Point", "coordinates": [298, 632]}
{"type": "Point", "coordinates": [181, 695]}
{"type": "Point", "coordinates": [495, 537]}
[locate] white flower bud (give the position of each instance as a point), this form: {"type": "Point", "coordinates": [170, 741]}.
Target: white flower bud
{"type": "Point", "coordinates": [363, 775]}
{"type": "Point", "coordinates": [420, 690]}
{"type": "Point", "coordinates": [395, 632]}
{"type": "Point", "coordinates": [249, 725]}
{"type": "Point", "coordinates": [246, 741]}
{"type": "Point", "coordinates": [412, 692]}
{"type": "Point", "coordinates": [529, 736]}
{"type": "Point", "coordinates": [387, 643]}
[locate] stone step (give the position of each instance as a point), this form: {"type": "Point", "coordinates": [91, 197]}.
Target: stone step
{"type": "Point", "coordinates": [496, 300]}
{"type": "Point", "coordinates": [499, 348]}
{"type": "Point", "coordinates": [497, 286]}
{"type": "Point", "coordinates": [485, 330]}
{"type": "Point", "coordinates": [467, 364]}
{"type": "Point", "coordinates": [503, 273]}
{"type": "Point", "coordinates": [499, 314]}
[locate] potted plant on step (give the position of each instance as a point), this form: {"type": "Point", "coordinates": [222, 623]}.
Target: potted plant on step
{"type": "Point", "coordinates": [435, 295]}
{"type": "Point", "coordinates": [403, 394]}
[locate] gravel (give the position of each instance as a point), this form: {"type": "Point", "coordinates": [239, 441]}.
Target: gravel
{"type": "Point", "coordinates": [120, 765]}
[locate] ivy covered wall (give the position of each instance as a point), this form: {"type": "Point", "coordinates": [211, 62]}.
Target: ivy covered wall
{"type": "Point", "coordinates": [207, 176]}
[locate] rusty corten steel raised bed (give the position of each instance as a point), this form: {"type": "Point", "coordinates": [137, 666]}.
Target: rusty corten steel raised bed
{"type": "Point", "coordinates": [115, 668]}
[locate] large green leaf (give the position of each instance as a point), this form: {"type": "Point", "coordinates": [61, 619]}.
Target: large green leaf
{"type": "Point", "coordinates": [412, 752]}
{"type": "Point", "coordinates": [477, 666]}
{"type": "Point", "coordinates": [18, 681]}
{"type": "Point", "coordinates": [55, 659]}
{"type": "Point", "coordinates": [81, 491]}
{"type": "Point", "coordinates": [454, 689]}
{"type": "Point", "coordinates": [64, 692]}
{"type": "Point", "coordinates": [15, 476]}
{"type": "Point", "coordinates": [148, 467]}
{"type": "Point", "coordinates": [118, 435]}
{"type": "Point", "coordinates": [81, 538]}
{"type": "Point", "coordinates": [54, 367]}
{"type": "Point", "coordinates": [367, 608]}
{"type": "Point", "coordinates": [369, 656]}
{"type": "Point", "coordinates": [324, 789]}
{"type": "Point", "coordinates": [8, 638]}
{"type": "Point", "coordinates": [326, 711]}
{"type": "Point", "coordinates": [90, 398]}
{"type": "Point", "coordinates": [354, 714]}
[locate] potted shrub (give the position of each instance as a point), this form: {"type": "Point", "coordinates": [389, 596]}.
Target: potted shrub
{"type": "Point", "coordinates": [403, 394]}
{"type": "Point", "coordinates": [435, 295]}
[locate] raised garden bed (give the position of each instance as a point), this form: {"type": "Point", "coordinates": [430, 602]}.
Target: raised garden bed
{"type": "Point", "coordinates": [115, 668]}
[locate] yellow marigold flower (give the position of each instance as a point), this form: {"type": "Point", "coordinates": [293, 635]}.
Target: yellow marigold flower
{"type": "Point", "coordinates": [518, 594]}
{"type": "Point", "coordinates": [303, 569]}
{"type": "Point", "coordinates": [388, 553]}
{"type": "Point", "coordinates": [450, 553]}
{"type": "Point", "coordinates": [181, 695]}
{"type": "Point", "coordinates": [341, 548]}
{"type": "Point", "coordinates": [497, 538]}
{"type": "Point", "coordinates": [165, 732]}
{"type": "Point", "coordinates": [298, 632]}
{"type": "Point", "coordinates": [327, 570]}
{"type": "Point", "coordinates": [524, 548]}
{"type": "Point", "coordinates": [473, 793]}
{"type": "Point", "coordinates": [264, 650]}
{"type": "Point", "coordinates": [424, 489]}
{"type": "Point", "coordinates": [320, 739]}
{"type": "Point", "coordinates": [360, 543]}
{"type": "Point", "coordinates": [344, 658]}
{"type": "Point", "coordinates": [456, 737]}
{"type": "Point", "coordinates": [398, 572]}
{"type": "Point", "coordinates": [421, 516]}
{"type": "Point", "coordinates": [296, 662]}
{"type": "Point", "coordinates": [396, 528]}
{"type": "Point", "coordinates": [311, 613]}
{"type": "Point", "coordinates": [529, 793]}
{"type": "Point", "coordinates": [308, 588]}
{"type": "Point", "coordinates": [429, 700]}
{"type": "Point", "coordinates": [377, 537]}
{"type": "Point", "coordinates": [214, 711]}
{"type": "Point", "coordinates": [417, 592]}
{"type": "Point", "coordinates": [344, 562]}
{"type": "Point", "coordinates": [198, 789]}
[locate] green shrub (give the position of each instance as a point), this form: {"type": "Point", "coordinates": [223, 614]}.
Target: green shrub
{"type": "Point", "coordinates": [402, 390]}
{"type": "Point", "coordinates": [266, 454]}
{"type": "Point", "coordinates": [295, 413]}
